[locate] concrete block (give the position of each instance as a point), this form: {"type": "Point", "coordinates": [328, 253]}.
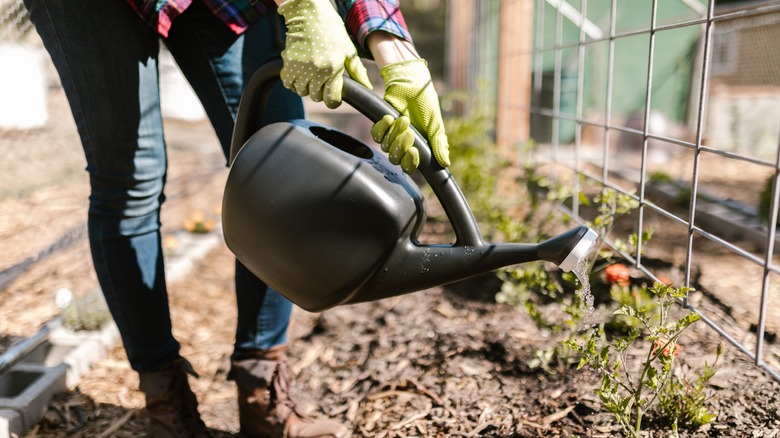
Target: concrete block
{"type": "Point", "coordinates": [28, 390]}
{"type": "Point", "coordinates": [80, 361]}
{"type": "Point", "coordinates": [10, 424]}
{"type": "Point", "coordinates": [48, 354]}
{"type": "Point", "coordinates": [79, 357]}
{"type": "Point", "coordinates": [77, 350]}
{"type": "Point", "coordinates": [106, 338]}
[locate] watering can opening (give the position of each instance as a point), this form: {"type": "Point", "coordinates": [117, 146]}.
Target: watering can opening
{"type": "Point", "coordinates": [327, 220]}
{"type": "Point", "coordinates": [342, 142]}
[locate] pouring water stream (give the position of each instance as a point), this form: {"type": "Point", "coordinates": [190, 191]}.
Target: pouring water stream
{"type": "Point", "coordinates": [582, 271]}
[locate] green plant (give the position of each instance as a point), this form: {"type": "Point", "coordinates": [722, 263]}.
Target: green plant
{"type": "Point", "coordinates": [524, 286]}
{"type": "Point", "coordinates": [634, 296]}
{"type": "Point", "coordinates": [470, 141]}
{"type": "Point", "coordinates": [519, 283]}
{"type": "Point", "coordinates": [612, 205]}
{"type": "Point", "coordinates": [544, 191]}
{"type": "Point", "coordinates": [659, 177]}
{"type": "Point", "coordinates": [684, 399]}
{"type": "Point", "coordinates": [643, 316]}
{"type": "Point", "coordinates": [683, 197]}
{"type": "Point", "coordinates": [478, 169]}
{"type": "Point", "coordinates": [627, 392]}
{"type": "Point", "coordinates": [89, 312]}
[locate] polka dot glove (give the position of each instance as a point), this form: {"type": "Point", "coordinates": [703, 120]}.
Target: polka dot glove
{"type": "Point", "coordinates": [317, 52]}
{"type": "Point", "coordinates": [397, 139]}
{"type": "Point", "coordinates": [409, 89]}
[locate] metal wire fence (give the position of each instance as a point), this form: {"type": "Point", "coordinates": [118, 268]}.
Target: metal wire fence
{"type": "Point", "coordinates": [677, 105]}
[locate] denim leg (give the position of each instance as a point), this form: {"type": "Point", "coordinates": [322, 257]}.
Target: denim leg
{"type": "Point", "coordinates": [217, 64]}
{"type": "Point", "coordinates": [106, 58]}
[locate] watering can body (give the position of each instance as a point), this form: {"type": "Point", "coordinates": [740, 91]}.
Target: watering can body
{"type": "Point", "coordinates": [308, 208]}
{"type": "Point", "coordinates": [327, 220]}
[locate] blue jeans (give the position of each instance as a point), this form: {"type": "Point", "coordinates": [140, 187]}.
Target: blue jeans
{"type": "Point", "coordinates": [106, 58]}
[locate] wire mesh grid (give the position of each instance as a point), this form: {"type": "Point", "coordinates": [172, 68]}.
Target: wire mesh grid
{"type": "Point", "coordinates": [678, 107]}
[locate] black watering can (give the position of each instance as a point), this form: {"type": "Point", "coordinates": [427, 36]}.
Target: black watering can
{"type": "Point", "coordinates": [326, 220]}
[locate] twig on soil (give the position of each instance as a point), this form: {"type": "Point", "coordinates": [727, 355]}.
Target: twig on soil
{"type": "Point", "coordinates": [532, 424]}
{"type": "Point", "coordinates": [552, 418]}
{"type": "Point", "coordinates": [414, 386]}
{"type": "Point", "coordinates": [390, 393]}
{"type": "Point", "coordinates": [420, 387]}
{"type": "Point", "coordinates": [117, 424]}
{"type": "Point", "coordinates": [370, 422]}
{"type": "Point", "coordinates": [414, 417]}
{"type": "Point", "coordinates": [311, 356]}
{"type": "Point", "coordinates": [578, 418]}
{"type": "Point", "coordinates": [477, 431]}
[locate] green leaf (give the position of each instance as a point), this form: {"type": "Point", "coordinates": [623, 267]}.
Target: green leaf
{"type": "Point", "coordinates": [625, 310]}
{"type": "Point", "coordinates": [651, 378]}
{"type": "Point", "coordinates": [604, 355]}
{"type": "Point", "coordinates": [686, 321]}
{"type": "Point", "coordinates": [625, 405]}
{"type": "Point", "coordinates": [583, 198]}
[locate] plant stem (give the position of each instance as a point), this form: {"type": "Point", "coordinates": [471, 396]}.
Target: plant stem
{"type": "Point", "coordinates": [668, 376]}
{"type": "Point", "coordinates": [638, 393]}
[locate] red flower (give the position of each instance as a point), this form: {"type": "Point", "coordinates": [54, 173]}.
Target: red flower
{"type": "Point", "coordinates": [618, 273]}
{"type": "Point", "coordinates": [666, 348]}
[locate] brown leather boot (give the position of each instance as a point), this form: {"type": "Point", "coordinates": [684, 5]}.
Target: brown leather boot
{"type": "Point", "coordinates": [170, 403]}
{"type": "Point", "coordinates": [264, 405]}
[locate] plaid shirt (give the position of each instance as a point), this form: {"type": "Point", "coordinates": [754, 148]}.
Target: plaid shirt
{"type": "Point", "coordinates": [360, 16]}
{"type": "Point", "coordinates": [365, 16]}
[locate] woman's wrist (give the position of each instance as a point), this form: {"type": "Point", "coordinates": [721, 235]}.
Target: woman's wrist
{"type": "Point", "coordinates": [387, 48]}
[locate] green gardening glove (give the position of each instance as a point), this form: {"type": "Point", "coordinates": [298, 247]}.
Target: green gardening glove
{"type": "Point", "coordinates": [317, 52]}
{"type": "Point", "coordinates": [409, 89]}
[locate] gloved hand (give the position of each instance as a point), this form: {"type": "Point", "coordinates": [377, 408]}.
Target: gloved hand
{"type": "Point", "coordinates": [409, 89]}
{"type": "Point", "coordinates": [317, 51]}
{"type": "Point", "coordinates": [397, 139]}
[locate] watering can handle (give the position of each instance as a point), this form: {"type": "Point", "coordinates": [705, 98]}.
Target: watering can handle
{"type": "Point", "coordinates": [249, 121]}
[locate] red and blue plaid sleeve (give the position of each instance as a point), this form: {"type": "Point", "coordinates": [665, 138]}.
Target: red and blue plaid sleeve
{"type": "Point", "coordinates": [238, 15]}
{"type": "Point", "coordinates": [361, 17]}
{"type": "Point", "coordinates": [365, 16]}
{"type": "Point", "coordinates": [159, 15]}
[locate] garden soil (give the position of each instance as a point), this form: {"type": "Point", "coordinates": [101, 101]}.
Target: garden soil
{"type": "Point", "coordinates": [445, 362]}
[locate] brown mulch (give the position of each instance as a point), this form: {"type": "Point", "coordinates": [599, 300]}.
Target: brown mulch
{"type": "Point", "coordinates": [444, 362]}
{"type": "Point", "coordinates": [439, 363]}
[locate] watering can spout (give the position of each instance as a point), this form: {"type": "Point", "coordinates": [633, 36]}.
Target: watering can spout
{"type": "Point", "coordinates": [413, 268]}
{"type": "Point", "coordinates": [570, 248]}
